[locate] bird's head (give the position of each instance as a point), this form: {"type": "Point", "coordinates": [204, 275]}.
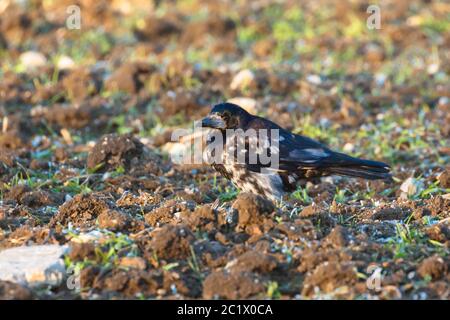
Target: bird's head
{"type": "Point", "coordinates": [226, 116]}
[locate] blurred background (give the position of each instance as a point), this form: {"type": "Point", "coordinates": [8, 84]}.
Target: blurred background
{"type": "Point", "coordinates": [168, 61]}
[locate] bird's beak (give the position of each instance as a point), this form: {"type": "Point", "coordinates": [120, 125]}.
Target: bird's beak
{"type": "Point", "coordinates": [213, 121]}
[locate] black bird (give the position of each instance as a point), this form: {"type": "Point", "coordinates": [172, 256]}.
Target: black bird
{"type": "Point", "coordinates": [299, 158]}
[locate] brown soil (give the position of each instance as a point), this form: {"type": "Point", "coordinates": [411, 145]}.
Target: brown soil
{"type": "Point", "coordinates": [223, 285]}
{"type": "Point", "coordinates": [81, 211]}
{"type": "Point", "coordinates": [113, 151]}
{"type": "Point", "coordinates": [13, 291]}
{"type": "Point", "coordinates": [253, 211]}
{"type": "Point", "coordinates": [170, 242]}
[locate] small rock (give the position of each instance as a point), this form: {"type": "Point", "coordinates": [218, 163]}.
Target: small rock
{"type": "Point", "coordinates": [32, 59]}
{"type": "Point", "coordinates": [314, 79]}
{"type": "Point", "coordinates": [34, 265]}
{"type": "Point", "coordinates": [380, 79]}
{"type": "Point", "coordinates": [65, 63]}
{"type": "Point", "coordinates": [242, 79]}
{"type": "Point", "coordinates": [349, 147]}
{"type": "Point", "coordinates": [410, 187]}
{"type": "Point", "coordinates": [433, 68]}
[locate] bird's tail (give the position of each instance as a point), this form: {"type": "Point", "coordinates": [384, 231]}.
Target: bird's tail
{"type": "Point", "coordinates": [359, 168]}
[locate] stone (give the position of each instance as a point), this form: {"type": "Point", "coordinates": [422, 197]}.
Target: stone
{"type": "Point", "coordinates": [242, 80]}
{"type": "Point", "coordinates": [86, 237]}
{"type": "Point", "coordinates": [65, 63]}
{"type": "Point", "coordinates": [33, 59]}
{"type": "Point", "coordinates": [33, 266]}
{"type": "Point", "coordinates": [410, 187]}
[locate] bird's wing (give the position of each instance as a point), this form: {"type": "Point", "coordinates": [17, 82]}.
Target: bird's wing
{"type": "Point", "coordinates": [304, 153]}
{"type": "Point", "coordinates": [292, 151]}
{"type": "Point", "coordinates": [296, 151]}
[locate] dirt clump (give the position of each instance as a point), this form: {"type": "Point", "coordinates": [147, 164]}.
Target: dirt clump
{"type": "Point", "coordinates": [339, 237]}
{"type": "Point", "coordinates": [439, 232]}
{"type": "Point", "coordinates": [24, 195]}
{"type": "Point", "coordinates": [434, 267]}
{"type": "Point", "coordinates": [169, 212]}
{"type": "Point", "coordinates": [185, 284]}
{"type": "Point", "coordinates": [158, 217]}
{"type": "Point", "coordinates": [181, 102]}
{"type": "Point", "coordinates": [300, 229]}
{"type": "Point", "coordinates": [329, 276]}
{"type": "Point", "coordinates": [81, 211]}
{"type": "Point", "coordinates": [129, 78]}
{"type": "Point", "coordinates": [77, 116]}
{"type": "Point", "coordinates": [86, 121]}
{"type": "Point", "coordinates": [16, 25]}
{"type": "Point", "coordinates": [30, 235]}
{"type": "Point", "coordinates": [122, 283]}
{"type": "Point", "coordinates": [13, 291]}
{"type": "Point", "coordinates": [317, 215]}
{"type": "Point", "coordinates": [113, 151]}
{"type": "Point", "coordinates": [133, 263]}
{"type": "Point", "coordinates": [17, 192]}
{"type": "Point", "coordinates": [444, 178]}
{"type": "Point", "coordinates": [316, 255]}
{"type": "Point", "coordinates": [212, 253]}
{"type": "Point", "coordinates": [309, 211]}
{"type": "Point", "coordinates": [253, 261]}
{"type": "Point", "coordinates": [17, 133]}
{"type": "Point", "coordinates": [438, 206]}
{"type": "Point", "coordinates": [253, 212]}
{"type": "Point", "coordinates": [203, 218]}
{"type": "Point", "coordinates": [80, 84]}
{"type": "Point", "coordinates": [115, 220]}
{"type": "Point", "coordinates": [224, 285]}
{"type": "Point", "coordinates": [170, 242]}
{"type": "Point", "coordinates": [12, 89]}
{"type": "Point", "coordinates": [82, 251]}
{"type": "Point", "coordinates": [156, 28]}
{"type": "Point", "coordinates": [390, 213]}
